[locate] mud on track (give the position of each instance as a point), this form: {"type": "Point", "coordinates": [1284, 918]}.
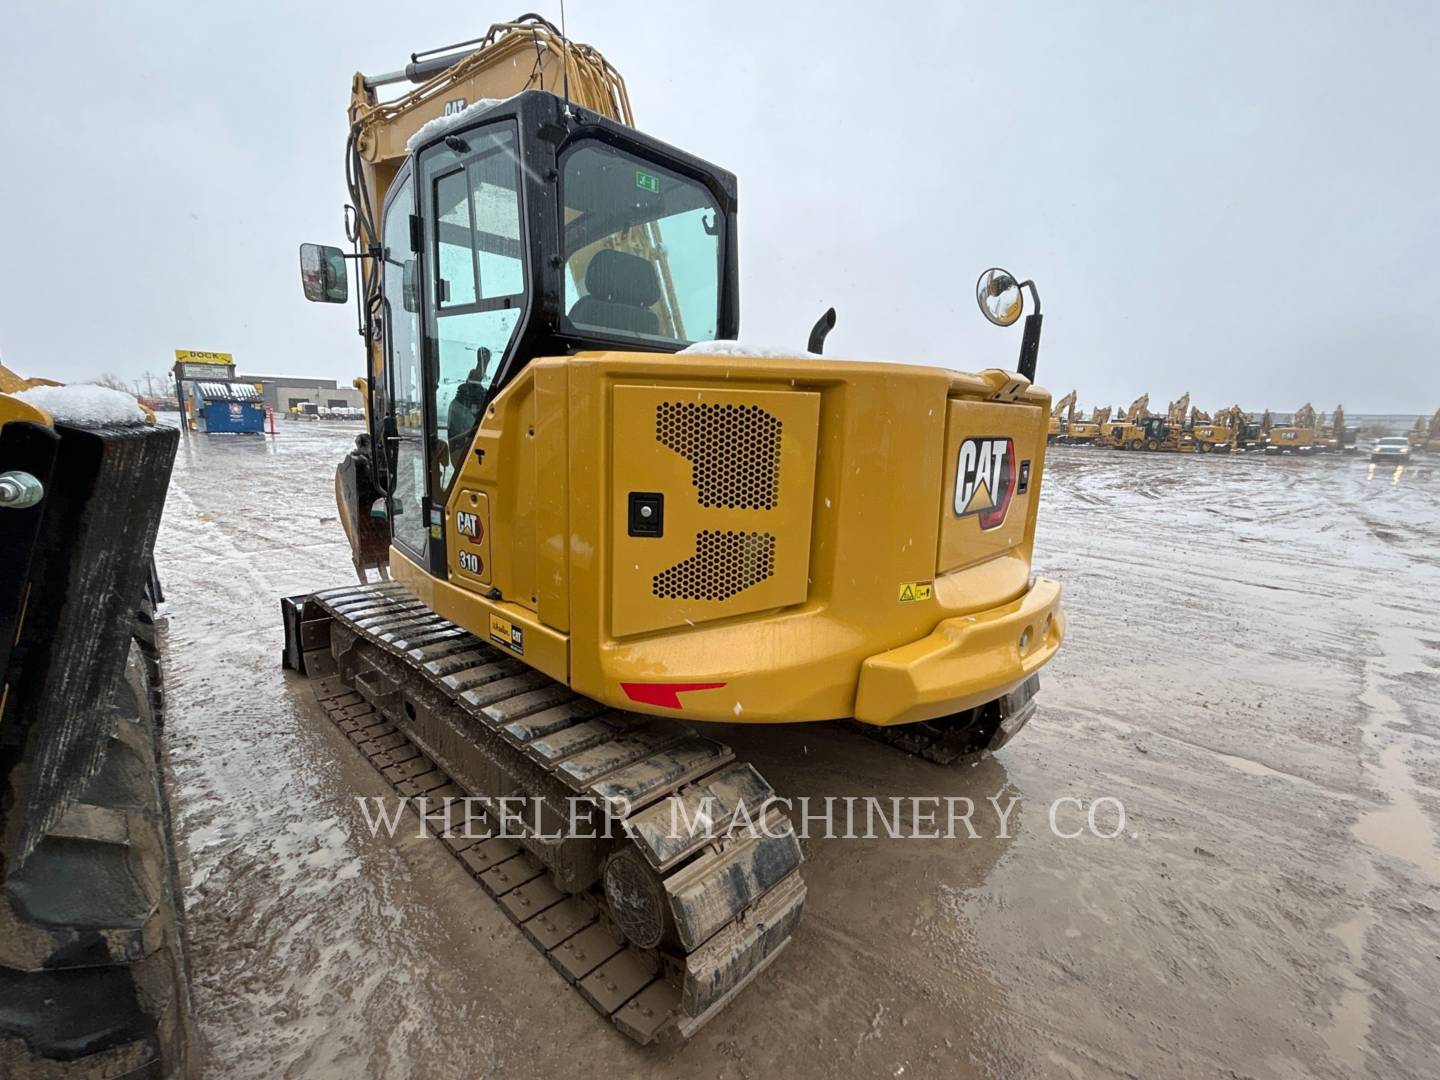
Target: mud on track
{"type": "Point", "coordinates": [1251, 667]}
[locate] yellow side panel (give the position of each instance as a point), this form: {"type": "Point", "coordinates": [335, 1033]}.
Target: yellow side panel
{"type": "Point", "coordinates": [513, 505]}
{"type": "Point", "coordinates": [552, 495]}
{"type": "Point", "coordinates": [993, 454]}
{"type": "Point", "coordinates": [518, 467]}
{"type": "Point", "coordinates": [468, 541]}
{"type": "Point", "coordinates": [736, 469]}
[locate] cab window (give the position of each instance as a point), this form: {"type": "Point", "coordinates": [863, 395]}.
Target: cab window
{"type": "Point", "coordinates": [477, 279]}
{"type": "Point", "coordinates": [642, 249]}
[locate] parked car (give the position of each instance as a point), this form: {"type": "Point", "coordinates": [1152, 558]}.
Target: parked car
{"type": "Point", "coordinates": [1394, 449]}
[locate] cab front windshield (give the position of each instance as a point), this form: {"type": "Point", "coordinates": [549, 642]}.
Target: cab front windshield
{"type": "Point", "coordinates": [643, 249]}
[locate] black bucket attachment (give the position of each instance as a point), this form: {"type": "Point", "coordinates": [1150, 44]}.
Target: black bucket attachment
{"type": "Point", "coordinates": [91, 965]}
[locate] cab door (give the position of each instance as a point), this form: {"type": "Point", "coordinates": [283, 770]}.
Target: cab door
{"type": "Point", "coordinates": [404, 425]}
{"type": "Point", "coordinates": [476, 281]}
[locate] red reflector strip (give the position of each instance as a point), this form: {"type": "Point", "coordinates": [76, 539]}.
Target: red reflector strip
{"type": "Point", "coordinates": [666, 695]}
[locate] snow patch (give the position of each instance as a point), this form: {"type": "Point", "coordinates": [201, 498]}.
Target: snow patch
{"type": "Point", "coordinates": [86, 406]}
{"type": "Point", "coordinates": [744, 348]}
{"type": "Point", "coordinates": [433, 129]}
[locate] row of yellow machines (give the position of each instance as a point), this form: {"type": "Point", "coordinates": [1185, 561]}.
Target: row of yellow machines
{"type": "Point", "coordinates": [1185, 428]}
{"type": "Point", "coordinates": [1425, 435]}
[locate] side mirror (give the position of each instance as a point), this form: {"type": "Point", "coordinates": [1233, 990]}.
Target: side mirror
{"type": "Point", "coordinates": [1002, 301]}
{"type": "Point", "coordinates": [999, 296]}
{"type": "Point", "coordinates": [322, 273]}
{"type": "Point", "coordinates": [409, 299]}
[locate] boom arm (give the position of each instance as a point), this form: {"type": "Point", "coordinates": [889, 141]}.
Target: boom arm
{"type": "Point", "coordinates": [527, 54]}
{"type": "Point", "coordinates": [1233, 418]}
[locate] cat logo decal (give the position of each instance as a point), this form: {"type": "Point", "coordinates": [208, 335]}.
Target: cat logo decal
{"type": "Point", "coordinates": [985, 478]}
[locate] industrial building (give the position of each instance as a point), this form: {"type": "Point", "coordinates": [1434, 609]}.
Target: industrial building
{"type": "Point", "coordinates": [281, 392]}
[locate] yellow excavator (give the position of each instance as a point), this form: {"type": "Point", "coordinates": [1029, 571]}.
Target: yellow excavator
{"type": "Point", "coordinates": [1251, 434]}
{"type": "Point", "coordinates": [1168, 432]}
{"type": "Point", "coordinates": [1062, 418]}
{"type": "Point", "coordinates": [1088, 430]}
{"type": "Point", "coordinates": [1309, 433]}
{"type": "Point", "coordinates": [1226, 430]}
{"type": "Point", "coordinates": [1343, 436]}
{"type": "Point", "coordinates": [1425, 436]}
{"type": "Point", "coordinates": [1127, 432]}
{"type": "Point", "coordinates": [1298, 436]}
{"type": "Point", "coordinates": [1206, 434]}
{"type": "Point", "coordinates": [610, 523]}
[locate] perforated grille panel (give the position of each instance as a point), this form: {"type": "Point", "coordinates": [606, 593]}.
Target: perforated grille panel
{"type": "Point", "coordinates": [724, 564]}
{"type": "Point", "coordinates": [735, 464]}
{"type": "Point", "coordinates": [733, 450]}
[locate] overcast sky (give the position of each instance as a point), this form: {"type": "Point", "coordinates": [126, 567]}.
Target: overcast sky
{"type": "Point", "coordinates": [1240, 200]}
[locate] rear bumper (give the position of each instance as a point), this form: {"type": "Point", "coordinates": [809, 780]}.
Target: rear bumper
{"type": "Point", "coordinates": [964, 662]}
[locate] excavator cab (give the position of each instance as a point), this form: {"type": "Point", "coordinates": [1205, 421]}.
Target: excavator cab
{"type": "Point", "coordinates": [516, 229]}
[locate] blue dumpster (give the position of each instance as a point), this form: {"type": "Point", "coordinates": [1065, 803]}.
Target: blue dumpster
{"type": "Point", "coordinates": [229, 408]}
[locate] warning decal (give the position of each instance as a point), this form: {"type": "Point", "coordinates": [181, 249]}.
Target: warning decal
{"type": "Point", "coordinates": [911, 591]}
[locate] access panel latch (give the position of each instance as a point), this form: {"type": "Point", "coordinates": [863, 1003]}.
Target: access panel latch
{"type": "Point", "coordinates": [647, 513]}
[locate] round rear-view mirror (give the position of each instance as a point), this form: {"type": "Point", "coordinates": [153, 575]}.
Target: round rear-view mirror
{"type": "Point", "coordinates": [999, 296]}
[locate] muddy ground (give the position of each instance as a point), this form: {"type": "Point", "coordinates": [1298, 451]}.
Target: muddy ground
{"type": "Point", "coordinates": [1251, 669]}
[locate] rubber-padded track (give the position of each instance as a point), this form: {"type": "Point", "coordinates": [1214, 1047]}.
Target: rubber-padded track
{"type": "Point", "coordinates": [421, 697]}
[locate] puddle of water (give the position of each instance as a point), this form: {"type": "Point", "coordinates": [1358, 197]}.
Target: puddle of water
{"type": "Point", "coordinates": [1400, 828]}
{"type": "Point", "coordinates": [1350, 1021]}
{"type": "Point", "coordinates": [1397, 828]}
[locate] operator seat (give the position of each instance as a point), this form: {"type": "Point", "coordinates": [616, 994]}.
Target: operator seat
{"type": "Point", "coordinates": [622, 288]}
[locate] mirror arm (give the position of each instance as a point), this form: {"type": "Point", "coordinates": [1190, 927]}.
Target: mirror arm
{"type": "Point", "coordinates": [363, 321]}
{"type": "Point", "coordinates": [1030, 343]}
{"type": "Point", "coordinates": [1030, 340]}
{"type": "Point", "coordinates": [1034, 293]}
{"type": "Point", "coordinates": [361, 326]}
